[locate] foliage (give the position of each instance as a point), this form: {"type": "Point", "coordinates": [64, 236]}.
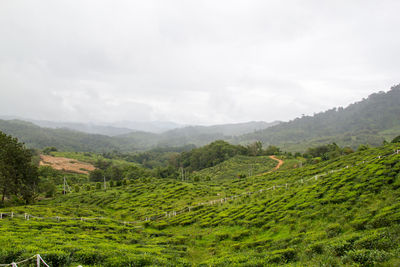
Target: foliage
{"type": "Point", "coordinates": [396, 139]}
{"type": "Point", "coordinates": [18, 176]}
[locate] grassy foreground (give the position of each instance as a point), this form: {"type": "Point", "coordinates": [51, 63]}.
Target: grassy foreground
{"type": "Point", "coordinates": [344, 211]}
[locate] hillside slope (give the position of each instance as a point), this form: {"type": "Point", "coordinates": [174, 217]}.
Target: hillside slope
{"type": "Point", "coordinates": [36, 137]}
{"type": "Point", "coordinates": [368, 121]}
{"type": "Point", "coordinates": [344, 211]}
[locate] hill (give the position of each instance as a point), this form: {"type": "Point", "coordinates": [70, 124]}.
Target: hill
{"type": "Point", "coordinates": [369, 121]}
{"type": "Point", "coordinates": [66, 139]}
{"type": "Point", "coordinates": [63, 139]}
{"type": "Point", "coordinates": [339, 212]}
{"type": "Point", "coordinates": [84, 127]}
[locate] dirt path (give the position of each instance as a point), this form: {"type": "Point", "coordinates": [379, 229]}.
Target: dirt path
{"type": "Point", "coordinates": [280, 162]}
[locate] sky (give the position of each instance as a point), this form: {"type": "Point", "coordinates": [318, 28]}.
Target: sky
{"type": "Point", "coordinates": [193, 62]}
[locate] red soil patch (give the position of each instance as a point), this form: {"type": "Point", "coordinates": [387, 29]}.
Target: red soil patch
{"type": "Point", "coordinates": [66, 164]}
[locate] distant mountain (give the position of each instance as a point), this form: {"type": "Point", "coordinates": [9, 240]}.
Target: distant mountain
{"type": "Point", "coordinates": [151, 126]}
{"type": "Point", "coordinates": [64, 139]}
{"type": "Point", "coordinates": [61, 136]}
{"type": "Point", "coordinates": [198, 135]}
{"type": "Point", "coordinates": [84, 127]}
{"type": "Point", "coordinates": [369, 121]}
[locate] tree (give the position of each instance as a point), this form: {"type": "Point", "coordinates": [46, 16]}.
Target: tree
{"type": "Point", "coordinates": [18, 176]}
{"type": "Point", "coordinates": [396, 139]}
{"type": "Point", "coordinates": [96, 175]}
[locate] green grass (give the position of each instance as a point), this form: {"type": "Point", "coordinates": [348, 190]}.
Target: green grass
{"type": "Point", "coordinates": [347, 217]}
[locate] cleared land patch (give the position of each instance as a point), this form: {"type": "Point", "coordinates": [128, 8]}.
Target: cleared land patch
{"type": "Point", "coordinates": [66, 164]}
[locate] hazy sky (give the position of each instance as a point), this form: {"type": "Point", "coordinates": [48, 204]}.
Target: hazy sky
{"type": "Point", "coordinates": [193, 62]}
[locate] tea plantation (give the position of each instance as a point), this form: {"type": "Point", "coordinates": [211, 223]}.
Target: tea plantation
{"type": "Point", "coordinates": [341, 212]}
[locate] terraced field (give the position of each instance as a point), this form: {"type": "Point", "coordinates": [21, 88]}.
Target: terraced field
{"type": "Point", "coordinates": [339, 212]}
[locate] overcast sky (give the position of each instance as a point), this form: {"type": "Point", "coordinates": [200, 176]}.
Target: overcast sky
{"type": "Point", "coordinates": [193, 62]}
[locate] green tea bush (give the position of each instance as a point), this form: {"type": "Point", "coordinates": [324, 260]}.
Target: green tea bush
{"type": "Point", "coordinates": [333, 230]}
{"type": "Point", "coordinates": [56, 258]}
{"type": "Point", "coordinates": [374, 240]}
{"type": "Point", "coordinates": [11, 254]}
{"type": "Point", "coordinates": [282, 256]}
{"type": "Point", "coordinates": [366, 257]}
{"type": "Point", "coordinates": [89, 256]}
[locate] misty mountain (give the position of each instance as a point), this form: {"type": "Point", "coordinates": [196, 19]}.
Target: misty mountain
{"type": "Point", "coordinates": [198, 135]}
{"type": "Point", "coordinates": [84, 127]}
{"type": "Point", "coordinates": [369, 121]}
{"type": "Point", "coordinates": [67, 139]}
{"type": "Point", "coordinates": [63, 139]}
{"type": "Point", "coordinates": [150, 126]}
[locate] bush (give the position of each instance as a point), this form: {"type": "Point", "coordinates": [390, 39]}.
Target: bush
{"type": "Point", "coordinates": [89, 257]}
{"type": "Point", "coordinates": [221, 236]}
{"type": "Point", "coordinates": [282, 256]}
{"type": "Point", "coordinates": [98, 186]}
{"type": "Point", "coordinates": [333, 230]}
{"type": "Point", "coordinates": [10, 254]}
{"type": "Point", "coordinates": [366, 257]}
{"type": "Point", "coordinates": [134, 260]}
{"type": "Point", "coordinates": [56, 258]}
{"type": "Point", "coordinates": [374, 241]}
{"type": "Point", "coordinates": [340, 248]}
{"type": "Point", "coordinates": [77, 188]}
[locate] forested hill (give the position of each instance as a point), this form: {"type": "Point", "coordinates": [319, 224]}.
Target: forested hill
{"type": "Point", "coordinates": [72, 140]}
{"type": "Point", "coordinates": [369, 121]}
{"type": "Point", "coordinates": [63, 139]}
{"type": "Point", "coordinates": [200, 135]}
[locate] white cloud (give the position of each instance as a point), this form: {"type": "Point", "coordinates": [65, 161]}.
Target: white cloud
{"type": "Point", "coordinates": [193, 61]}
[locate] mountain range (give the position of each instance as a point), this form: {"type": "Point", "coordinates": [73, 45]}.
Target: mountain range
{"type": "Point", "coordinates": [369, 121]}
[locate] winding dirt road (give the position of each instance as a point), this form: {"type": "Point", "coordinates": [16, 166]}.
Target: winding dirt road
{"type": "Point", "coordinates": [280, 162]}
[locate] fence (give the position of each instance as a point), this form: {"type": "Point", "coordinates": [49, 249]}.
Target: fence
{"type": "Point", "coordinates": [39, 260]}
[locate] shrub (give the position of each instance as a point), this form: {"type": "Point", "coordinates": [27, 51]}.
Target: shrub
{"type": "Point", "coordinates": [339, 248]}
{"type": "Point", "coordinates": [89, 257]}
{"type": "Point", "coordinates": [56, 258]}
{"type": "Point", "coordinates": [98, 186]}
{"type": "Point", "coordinates": [10, 254]}
{"type": "Point", "coordinates": [333, 230]}
{"type": "Point", "coordinates": [133, 260]}
{"type": "Point", "coordinates": [221, 236]}
{"type": "Point", "coordinates": [316, 248]}
{"type": "Point", "coordinates": [282, 256]}
{"type": "Point", "coordinates": [366, 257]}
{"type": "Point", "coordinates": [374, 241]}
{"type": "Point", "coordinates": [77, 188]}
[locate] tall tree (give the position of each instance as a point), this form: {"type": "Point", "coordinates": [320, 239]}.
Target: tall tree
{"type": "Point", "coordinates": [18, 176]}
